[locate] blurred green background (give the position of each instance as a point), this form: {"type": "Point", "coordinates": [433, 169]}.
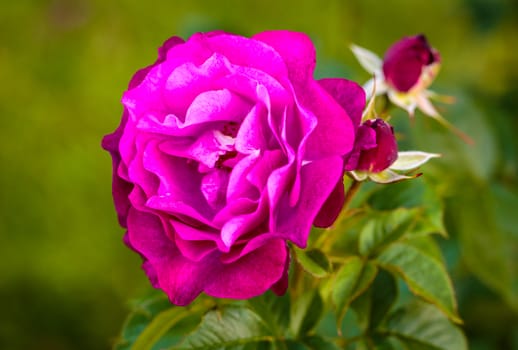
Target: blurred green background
{"type": "Point", "coordinates": [66, 277]}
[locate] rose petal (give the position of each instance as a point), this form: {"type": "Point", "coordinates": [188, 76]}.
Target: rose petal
{"type": "Point", "coordinates": [349, 95]}
{"type": "Point", "coordinates": [120, 187]}
{"type": "Point", "coordinates": [319, 178]}
{"type": "Point", "coordinates": [296, 50]}
{"type": "Point", "coordinates": [188, 80]}
{"type": "Point", "coordinates": [249, 53]}
{"type": "Point", "coordinates": [332, 207]}
{"type": "Point", "coordinates": [252, 274]}
{"type": "Point", "coordinates": [334, 132]}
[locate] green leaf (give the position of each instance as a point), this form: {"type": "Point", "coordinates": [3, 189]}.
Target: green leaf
{"type": "Point", "coordinates": [317, 342]}
{"type": "Point", "coordinates": [342, 238]}
{"type": "Point", "coordinates": [362, 307]}
{"type": "Point", "coordinates": [273, 309]}
{"type": "Point", "coordinates": [384, 228]}
{"type": "Point", "coordinates": [143, 313]}
{"type": "Point", "coordinates": [353, 278]}
{"type": "Point", "coordinates": [384, 294]}
{"type": "Point", "coordinates": [427, 245]}
{"type": "Point", "coordinates": [161, 324]}
{"type": "Point", "coordinates": [406, 194]}
{"type": "Point", "coordinates": [306, 312]}
{"type": "Point", "coordinates": [372, 307]}
{"type": "Point", "coordinates": [413, 194]}
{"type": "Point", "coordinates": [313, 261]}
{"type": "Point", "coordinates": [488, 235]}
{"type": "Point", "coordinates": [424, 275]}
{"type": "Point", "coordinates": [313, 342]}
{"type": "Point", "coordinates": [421, 326]}
{"type": "Point", "coordinates": [231, 327]}
{"type": "Point", "coordinates": [382, 342]}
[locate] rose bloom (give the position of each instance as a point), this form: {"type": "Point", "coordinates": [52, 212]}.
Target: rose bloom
{"type": "Point", "coordinates": [375, 148]}
{"type": "Point", "coordinates": [227, 149]}
{"type": "Point", "coordinates": [410, 64]}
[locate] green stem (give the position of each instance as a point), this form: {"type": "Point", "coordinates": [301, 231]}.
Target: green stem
{"type": "Point", "coordinates": [324, 240]}
{"type": "Point", "coordinates": [297, 280]}
{"type": "Point", "coordinates": [355, 186]}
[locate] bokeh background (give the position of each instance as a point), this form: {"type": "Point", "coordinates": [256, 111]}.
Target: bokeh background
{"type": "Point", "coordinates": [65, 276]}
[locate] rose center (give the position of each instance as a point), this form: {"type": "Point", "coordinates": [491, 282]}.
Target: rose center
{"type": "Point", "coordinates": [230, 129]}
{"type": "Point", "coordinates": [229, 157]}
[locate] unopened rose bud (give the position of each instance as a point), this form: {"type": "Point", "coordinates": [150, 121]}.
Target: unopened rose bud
{"type": "Point", "coordinates": [375, 148]}
{"type": "Point", "coordinates": [410, 63]}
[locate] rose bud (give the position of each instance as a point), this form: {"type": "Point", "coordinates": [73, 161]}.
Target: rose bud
{"type": "Point", "coordinates": [227, 149]}
{"type": "Point", "coordinates": [375, 148]}
{"type": "Point", "coordinates": [410, 63]}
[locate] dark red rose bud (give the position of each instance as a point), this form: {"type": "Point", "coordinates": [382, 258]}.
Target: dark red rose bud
{"type": "Point", "coordinates": [404, 62]}
{"type": "Point", "coordinates": [375, 148]}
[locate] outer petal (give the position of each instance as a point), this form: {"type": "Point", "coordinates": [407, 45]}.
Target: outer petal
{"type": "Point", "coordinates": [120, 187]}
{"type": "Point", "coordinates": [249, 53]}
{"type": "Point", "coordinates": [183, 280]}
{"type": "Point", "coordinates": [349, 95]}
{"type": "Point", "coordinates": [296, 49]}
{"type": "Point", "coordinates": [332, 207]}
{"type": "Point", "coordinates": [251, 275]}
{"type": "Point", "coordinates": [334, 132]}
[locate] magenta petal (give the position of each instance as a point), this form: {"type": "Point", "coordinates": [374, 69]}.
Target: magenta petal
{"type": "Point", "coordinates": [120, 188]}
{"type": "Point", "coordinates": [249, 53]}
{"type": "Point", "coordinates": [334, 133]}
{"type": "Point", "coordinates": [146, 234]}
{"type": "Point", "coordinates": [281, 285]}
{"type": "Point", "coordinates": [332, 207]}
{"type": "Point", "coordinates": [188, 80]}
{"type": "Point", "coordinates": [213, 186]}
{"type": "Point", "coordinates": [319, 179]}
{"type": "Point", "coordinates": [183, 279]}
{"type": "Point", "coordinates": [239, 225]}
{"type": "Point", "coordinates": [348, 94]}
{"type": "Point", "coordinates": [253, 133]}
{"type": "Point", "coordinates": [195, 250]}
{"type": "Point", "coordinates": [251, 275]}
{"type": "Point", "coordinates": [216, 105]}
{"type": "Point", "coordinates": [177, 276]}
{"type": "Point", "coordinates": [238, 185]}
{"type": "Point", "coordinates": [296, 49]}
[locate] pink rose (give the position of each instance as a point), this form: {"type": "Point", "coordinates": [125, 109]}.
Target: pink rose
{"type": "Point", "coordinates": [227, 149]}
{"type": "Point", "coordinates": [406, 61]}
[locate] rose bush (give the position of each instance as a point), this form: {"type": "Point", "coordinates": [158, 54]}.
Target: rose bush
{"type": "Point", "coordinates": [227, 149]}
